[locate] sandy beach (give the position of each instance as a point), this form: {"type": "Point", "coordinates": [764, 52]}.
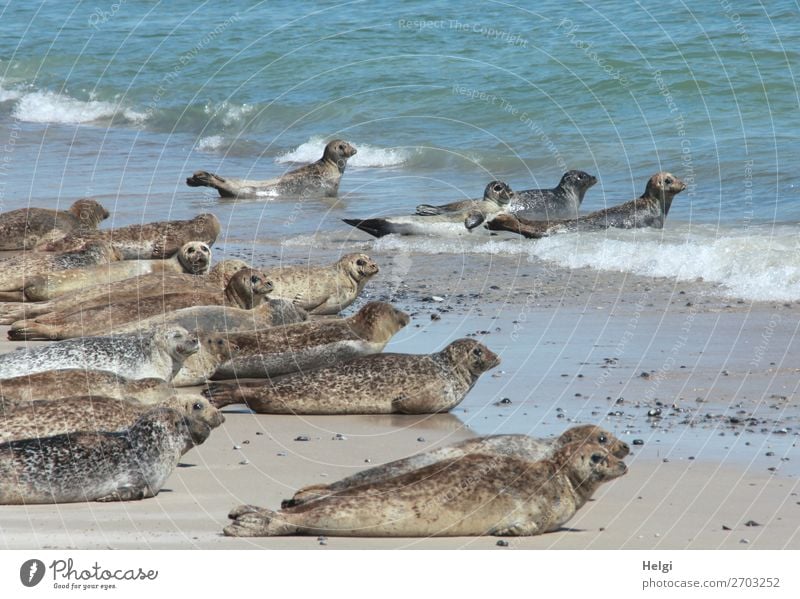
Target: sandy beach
{"type": "Point", "coordinates": [702, 386]}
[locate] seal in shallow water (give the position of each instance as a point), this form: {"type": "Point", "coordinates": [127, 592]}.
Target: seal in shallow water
{"type": "Point", "coordinates": [151, 241]}
{"type": "Point", "coordinates": [561, 202]}
{"type": "Point", "coordinates": [648, 210]}
{"type": "Point", "coordinates": [308, 345]}
{"type": "Point", "coordinates": [375, 384]}
{"type": "Point", "coordinates": [322, 177]}
{"type": "Point", "coordinates": [23, 229]}
{"type": "Point", "coordinates": [518, 446]}
{"type": "Point", "coordinates": [159, 354]}
{"type": "Point", "coordinates": [324, 289]}
{"type": "Point", "coordinates": [471, 496]}
{"type": "Point", "coordinates": [98, 466]}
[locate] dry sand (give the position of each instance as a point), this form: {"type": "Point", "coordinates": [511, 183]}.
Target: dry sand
{"type": "Point", "coordinates": [706, 382]}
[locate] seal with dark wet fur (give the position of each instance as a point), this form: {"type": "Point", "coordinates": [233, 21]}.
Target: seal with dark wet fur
{"type": "Point", "coordinates": [246, 290]}
{"type": "Point", "coordinates": [308, 345]}
{"type": "Point", "coordinates": [375, 384]}
{"type": "Point", "coordinates": [323, 289]}
{"type": "Point", "coordinates": [23, 229]}
{"type": "Point", "coordinates": [158, 354]}
{"type": "Point", "coordinates": [519, 446]}
{"type": "Point", "coordinates": [321, 178]}
{"type": "Point", "coordinates": [648, 210]}
{"type": "Point", "coordinates": [46, 418]}
{"type": "Point", "coordinates": [471, 496]}
{"type": "Point", "coordinates": [150, 241]}
{"type": "Point", "coordinates": [99, 466]}
{"type": "Point", "coordinates": [561, 202]}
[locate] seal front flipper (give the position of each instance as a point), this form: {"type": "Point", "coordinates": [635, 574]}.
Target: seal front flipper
{"type": "Point", "coordinates": [403, 404]}
{"type": "Point", "coordinates": [474, 219]}
{"type": "Point", "coordinates": [128, 493]}
{"type": "Point", "coordinates": [244, 509]}
{"type": "Point", "coordinates": [377, 227]}
{"type": "Point", "coordinates": [428, 210]}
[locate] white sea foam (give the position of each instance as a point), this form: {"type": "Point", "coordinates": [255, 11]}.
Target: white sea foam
{"type": "Point", "coordinates": [51, 107]}
{"type": "Point", "coordinates": [367, 156]}
{"type": "Point", "coordinates": [210, 143]}
{"type": "Point", "coordinates": [229, 113]}
{"type": "Point", "coordinates": [7, 95]}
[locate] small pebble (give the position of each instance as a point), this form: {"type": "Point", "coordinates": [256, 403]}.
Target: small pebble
{"type": "Point", "coordinates": [744, 541]}
{"type": "Point", "coordinates": [726, 527]}
{"type": "Point", "coordinates": [638, 441]}
{"type": "Point", "coordinates": [280, 454]}
{"type": "Point", "coordinates": [437, 298]}
{"type": "Point", "coordinates": [435, 317]}
{"type": "Point", "coordinates": [245, 442]}
{"type": "Point", "coordinates": [302, 438]}
{"type": "Point", "coordinates": [751, 523]}
{"type": "Point", "coordinates": [237, 446]}
{"type": "Point", "coordinates": [421, 439]}
{"type": "Point", "coordinates": [502, 543]}
{"type": "Point", "coordinates": [259, 433]}
{"type": "Point", "coordinates": [244, 462]}
{"type": "Point", "coordinates": [339, 437]}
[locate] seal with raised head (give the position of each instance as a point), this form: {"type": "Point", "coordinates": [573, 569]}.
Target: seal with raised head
{"type": "Point", "coordinates": [471, 496]}
{"type": "Point", "coordinates": [324, 289]}
{"type": "Point", "coordinates": [215, 349]}
{"type": "Point", "coordinates": [160, 283]}
{"type": "Point", "coordinates": [16, 271]}
{"type": "Point", "coordinates": [99, 466]}
{"type": "Point", "coordinates": [308, 345]}
{"type": "Point", "coordinates": [561, 202]}
{"type": "Point", "coordinates": [58, 384]}
{"type": "Point", "coordinates": [246, 290]}
{"type": "Point", "coordinates": [158, 354]}
{"type": "Point", "coordinates": [193, 258]}
{"type": "Point", "coordinates": [648, 210]}
{"type": "Point", "coordinates": [375, 384]}
{"type": "Point", "coordinates": [320, 178]}
{"type": "Point", "coordinates": [448, 219]}
{"type": "Point", "coordinates": [23, 229]}
{"type": "Point", "coordinates": [45, 418]}
{"type": "Point", "coordinates": [523, 447]}
{"type": "Point", "coordinates": [150, 241]}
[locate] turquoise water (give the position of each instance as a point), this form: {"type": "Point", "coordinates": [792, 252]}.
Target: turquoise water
{"type": "Point", "coordinates": [124, 100]}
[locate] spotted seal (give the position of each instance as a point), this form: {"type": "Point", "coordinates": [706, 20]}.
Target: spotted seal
{"type": "Point", "coordinates": [46, 418]}
{"type": "Point", "coordinates": [99, 466]}
{"type": "Point", "coordinates": [518, 446]}
{"type": "Point", "coordinates": [376, 384]}
{"type": "Point", "coordinates": [308, 345]}
{"type": "Point", "coordinates": [158, 354]}
{"type": "Point", "coordinates": [150, 241]}
{"type": "Point", "coordinates": [471, 496]}
{"type": "Point", "coordinates": [324, 289]}
{"type": "Point", "coordinates": [23, 229]}
{"type": "Point", "coordinates": [215, 349]}
{"type": "Point", "coordinates": [193, 258]}
{"type": "Point", "coordinates": [648, 210]}
{"type": "Point", "coordinates": [322, 177]}
{"type": "Point", "coordinates": [561, 202]}
{"type": "Point", "coordinates": [246, 290]}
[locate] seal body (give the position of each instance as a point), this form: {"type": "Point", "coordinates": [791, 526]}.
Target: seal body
{"type": "Point", "coordinates": [308, 345]}
{"type": "Point", "coordinates": [58, 384]}
{"type": "Point", "coordinates": [98, 466]}
{"type": "Point", "coordinates": [523, 447]}
{"type": "Point", "coordinates": [245, 290]}
{"type": "Point", "coordinates": [496, 198]}
{"type": "Point", "coordinates": [215, 349]}
{"type": "Point", "coordinates": [375, 384]}
{"type": "Point", "coordinates": [561, 202]}
{"type": "Point", "coordinates": [320, 178]}
{"type": "Point", "coordinates": [472, 496]}
{"type": "Point", "coordinates": [193, 258]}
{"type": "Point", "coordinates": [324, 289]}
{"type": "Point", "coordinates": [23, 229]}
{"type": "Point", "coordinates": [158, 354]}
{"type": "Point", "coordinates": [151, 241]}
{"type": "Point", "coordinates": [46, 418]}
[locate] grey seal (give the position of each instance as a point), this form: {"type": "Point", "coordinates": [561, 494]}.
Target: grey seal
{"type": "Point", "coordinates": [561, 202]}
{"type": "Point", "coordinates": [24, 228]}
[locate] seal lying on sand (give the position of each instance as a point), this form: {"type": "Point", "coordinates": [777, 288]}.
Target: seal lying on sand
{"type": "Point", "coordinates": [563, 201]}
{"type": "Point", "coordinates": [649, 210]}
{"type": "Point", "coordinates": [517, 446]}
{"type": "Point", "coordinates": [448, 219]}
{"type": "Point", "coordinates": [246, 290]}
{"type": "Point", "coordinates": [159, 354]}
{"type": "Point", "coordinates": [215, 349]}
{"type": "Point", "coordinates": [193, 258]}
{"type": "Point", "coordinates": [376, 384]}
{"type": "Point", "coordinates": [23, 229]}
{"type": "Point", "coordinates": [471, 496]}
{"type": "Point", "coordinates": [151, 241]}
{"type": "Point", "coordinates": [322, 177]}
{"type": "Point", "coordinates": [93, 413]}
{"type": "Point", "coordinates": [98, 466]}
{"type": "Point", "coordinates": [324, 289]}
{"type": "Point", "coordinates": [309, 345]}
{"type": "Point", "coordinates": [58, 384]}
{"type": "Point", "coordinates": [160, 283]}
{"type": "Point", "coordinates": [15, 272]}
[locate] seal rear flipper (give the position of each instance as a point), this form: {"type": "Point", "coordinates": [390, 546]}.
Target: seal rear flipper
{"type": "Point", "coordinates": [128, 493]}
{"type": "Point", "coordinates": [377, 227]}
{"type": "Point", "coordinates": [509, 222]}
{"type": "Point", "coordinates": [428, 210]}
{"type": "Point", "coordinates": [264, 523]}
{"type": "Point", "coordinates": [244, 509]}
{"type": "Point", "coordinates": [31, 330]}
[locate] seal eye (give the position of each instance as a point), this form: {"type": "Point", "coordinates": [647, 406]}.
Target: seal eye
{"type": "Point", "coordinates": [602, 439]}
{"type": "Point", "coordinates": [219, 342]}
{"type": "Point", "coordinates": [254, 279]}
{"type": "Point", "coordinates": [361, 262]}
{"type": "Point", "coordinates": [477, 352]}
{"type": "Point", "coordinates": [190, 251]}
{"type": "Point", "coordinates": [597, 458]}
{"type": "Point", "coordinates": [498, 187]}
{"type": "Point", "coordinates": [197, 406]}
{"type": "Point", "coordinates": [668, 181]}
